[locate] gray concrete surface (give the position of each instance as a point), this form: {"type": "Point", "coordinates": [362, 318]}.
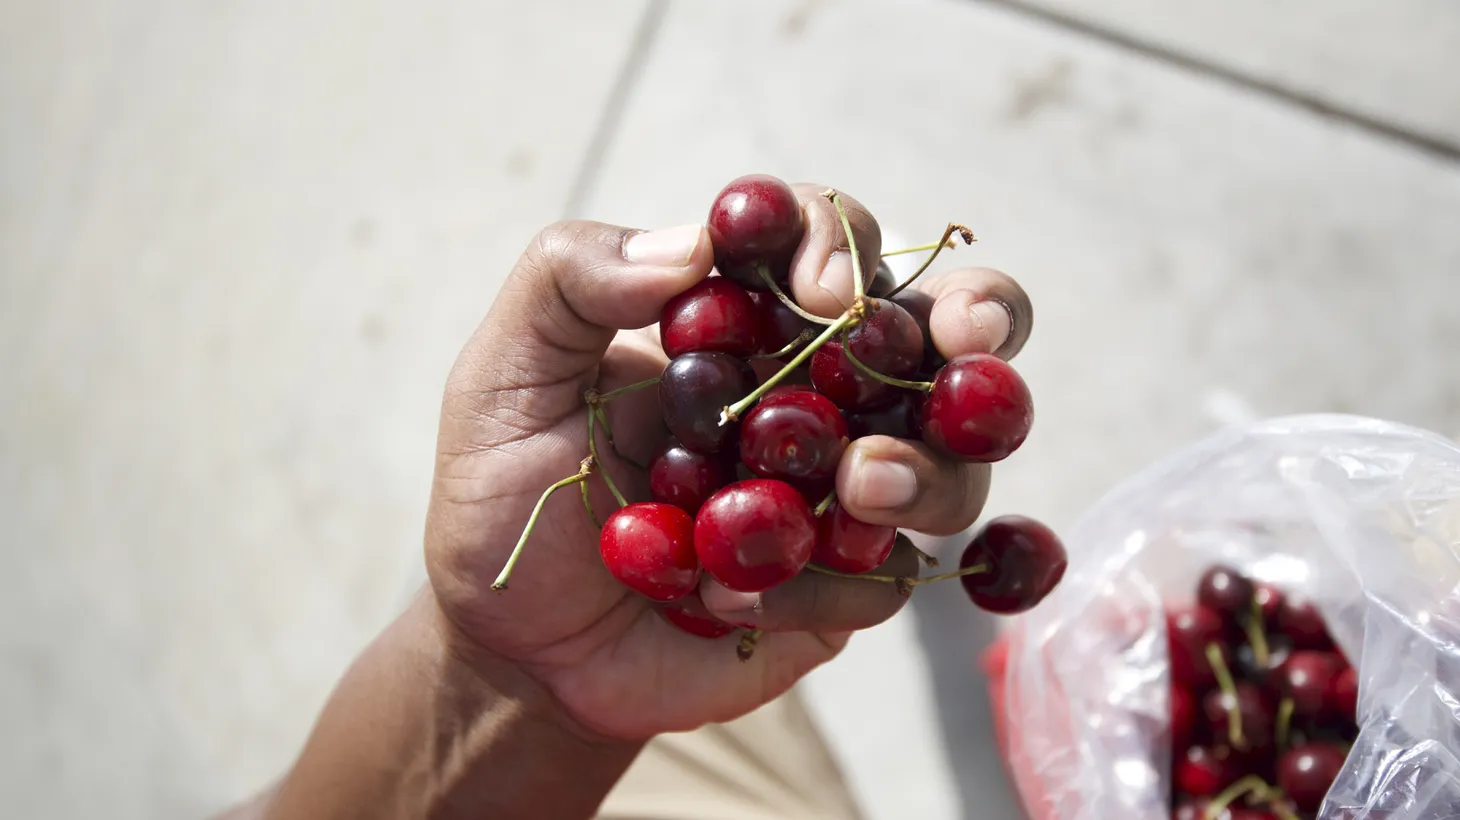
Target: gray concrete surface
{"type": "Point", "coordinates": [241, 242]}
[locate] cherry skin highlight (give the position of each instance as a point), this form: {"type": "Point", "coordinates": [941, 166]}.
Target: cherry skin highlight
{"type": "Point", "coordinates": [797, 436]}
{"type": "Point", "coordinates": [979, 409]}
{"type": "Point", "coordinates": [689, 614]}
{"type": "Point", "coordinates": [649, 548]}
{"type": "Point", "coordinates": [846, 544]}
{"type": "Point", "coordinates": [754, 534]}
{"type": "Point", "coordinates": [694, 389]}
{"type": "Point", "coordinates": [1025, 561]}
{"type": "Point", "coordinates": [755, 220]}
{"type": "Point", "coordinates": [888, 341]}
{"type": "Point", "coordinates": [1306, 773]}
{"type": "Point", "coordinates": [882, 282]}
{"type": "Point", "coordinates": [1227, 592]}
{"type": "Point", "coordinates": [715, 315]}
{"type": "Point", "coordinates": [684, 478]}
{"type": "Point", "coordinates": [1306, 677]}
{"type": "Point", "coordinates": [1255, 715]}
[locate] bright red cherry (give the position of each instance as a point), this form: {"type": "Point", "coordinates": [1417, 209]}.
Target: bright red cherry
{"type": "Point", "coordinates": [1342, 698]}
{"type": "Point", "coordinates": [690, 615]}
{"type": "Point", "coordinates": [1025, 561]}
{"type": "Point", "coordinates": [1183, 717]}
{"type": "Point", "coordinates": [1202, 772]}
{"type": "Point", "coordinates": [1188, 633]}
{"type": "Point", "coordinates": [919, 305]}
{"type": "Point", "coordinates": [684, 478]}
{"type": "Point", "coordinates": [755, 534]}
{"type": "Point", "coordinates": [888, 341]}
{"type": "Point", "coordinates": [1306, 677]}
{"type": "Point", "coordinates": [1300, 620]}
{"type": "Point", "coordinates": [1255, 715]}
{"type": "Point", "coordinates": [755, 220]}
{"type": "Point", "coordinates": [777, 325]}
{"type": "Point", "coordinates": [847, 545]}
{"type": "Point", "coordinates": [901, 419]}
{"type": "Point", "coordinates": [714, 315]}
{"type": "Point", "coordinates": [1306, 773]}
{"type": "Point", "coordinates": [649, 548]}
{"type": "Point", "coordinates": [796, 436]}
{"type": "Point", "coordinates": [978, 410]}
{"type": "Point", "coordinates": [694, 389]}
{"type": "Point", "coordinates": [1227, 592]}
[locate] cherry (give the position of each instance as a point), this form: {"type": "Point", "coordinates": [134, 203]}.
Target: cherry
{"type": "Point", "coordinates": [919, 305]}
{"type": "Point", "coordinates": [1226, 591]}
{"type": "Point", "coordinates": [978, 410]}
{"type": "Point", "coordinates": [1188, 633]}
{"type": "Point", "coordinates": [1342, 698]}
{"type": "Point", "coordinates": [1025, 561]}
{"type": "Point", "coordinates": [690, 615]}
{"type": "Point", "coordinates": [1254, 713]}
{"type": "Point", "coordinates": [796, 436]}
{"type": "Point", "coordinates": [649, 548]}
{"type": "Point", "coordinates": [684, 478]}
{"type": "Point", "coordinates": [777, 325]}
{"type": "Point", "coordinates": [847, 545]}
{"type": "Point", "coordinates": [1300, 620]}
{"type": "Point", "coordinates": [1248, 667]}
{"type": "Point", "coordinates": [1183, 716]}
{"type": "Point", "coordinates": [1306, 677]}
{"type": "Point", "coordinates": [1201, 772]}
{"type": "Point", "coordinates": [901, 419]}
{"type": "Point", "coordinates": [756, 219]}
{"type": "Point", "coordinates": [888, 341]}
{"type": "Point", "coordinates": [1269, 600]}
{"type": "Point", "coordinates": [694, 389]}
{"type": "Point", "coordinates": [714, 315]}
{"type": "Point", "coordinates": [883, 283]}
{"type": "Point", "coordinates": [1306, 773]}
{"type": "Point", "coordinates": [754, 534]}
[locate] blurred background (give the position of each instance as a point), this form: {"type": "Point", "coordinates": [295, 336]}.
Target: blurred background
{"type": "Point", "coordinates": [241, 242]}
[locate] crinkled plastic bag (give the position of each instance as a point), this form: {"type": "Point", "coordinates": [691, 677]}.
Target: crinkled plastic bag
{"type": "Point", "coordinates": [1363, 516]}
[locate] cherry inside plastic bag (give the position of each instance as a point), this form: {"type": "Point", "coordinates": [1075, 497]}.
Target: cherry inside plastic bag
{"type": "Point", "coordinates": [1360, 515]}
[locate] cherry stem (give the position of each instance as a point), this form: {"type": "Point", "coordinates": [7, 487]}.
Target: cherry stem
{"type": "Point", "coordinates": [926, 387]}
{"type": "Point", "coordinates": [1282, 811]}
{"type": "Point", "coordinates": [746, 648]}
{"type": "Point", "coordinates": [1284, 722]}
{"type": "Point", "coordinates": [594, 414]}
{"type": "Point", "coordinates": [588, 505]}
{"type": "Point", "coordinates": [963, 232]}
{"type": "Point", "coordinates": [1249, 784]}
{"type": "Point", "coordinates": [595, 398]}
{"type": "Point", "coordinates": [1257, 636]}
{"type": "Point", "coordinates": [948, 243]}
{"type": "Point", "coordinates": [852, 316]}
{"type": "Point", "coordinates": [801, 337]}
{"type": "Point", "coordinates": [904, 583]}
{"type": "Point", "coordinates": [585, 468]}
{"type": "Point", "coordinates": [1229, 688]}
{"type": "Point", "coordinates": [926, 558]}
{"type": "Point", "coordinates": [765, 276]}
{"type": "Point", "coordinates": [825, 504]}
{"type": "Point", "coordinates": [858, 287]}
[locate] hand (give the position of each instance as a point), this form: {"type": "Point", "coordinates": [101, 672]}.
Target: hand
{"type": "Point", "coordinates": [513, 422]}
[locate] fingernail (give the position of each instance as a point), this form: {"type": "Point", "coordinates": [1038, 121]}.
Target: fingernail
{"type": "Point", "coordinates": [738, 608]}
{"type": "Point", "coordinates": [993, 320]}
{"type": "Point", "coordinates": [666, 247]}
{"type": "Point", "coordinates": [836, 276]}
{"type": "Point", "coordinates": [881, 484]}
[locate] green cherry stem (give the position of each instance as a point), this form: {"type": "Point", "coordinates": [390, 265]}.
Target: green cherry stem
{"type": "Point", "coordinates": [585, 467]}
{"type": "Point", "coordinates": [1250, 784]}
{"type": "Point", "coordinates": [948, 243]}
{"type": "Point", "coordinates": [926, 387]}
{"type": "Point", "coordinates": [801, 338]}
{"type": "Point", "coordinates": [595, 398]}
{"type": "Point", "coordinates": [588, 505]}
{"type": "Point", "coordinates": [594, 413]}
{"type": "Point", "coordinates": [825, 504]}
{"type": "Point", "coordinates": [953, 227]}
{"type": "Point", "coordinates": [1229, 688]}
{"type": "Point", "coordinates": [765, 276]}
{"type": "Point", "coordinates": [904, 583]}
{"type": "Point", "coordinates": [930, 561]}
{"type": "Point", "coordinates": [1282, 811]}
{"type": "Point", "coordinates": [858, 287]}
{"type": "Point", "coordinates": [1284, 722]}
{"type": "Point", "coordinates": [851, 317]}
{"type": "Point", "coordinates": [1257, 635]}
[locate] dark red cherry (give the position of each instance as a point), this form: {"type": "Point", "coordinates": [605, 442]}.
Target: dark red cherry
{"type": "Point", "coordinates": [1247, 666]}
{"type": "Point", "coordinates": [694, 389]}
{"type": "Point", "coordinates": [1342, 698]}
{"type": "Point", "coordinates": [715, 315]}
{"type": "Point", "coordinates": [649, 548]}
{"type": "Point", "coordinates": [754, 534]}
{"type": "Point", "coordinates": [684, 478]}
{"type": "Point", "coordinates": [1227, 592]}
{"type": "Point", "coordinates": [1269, 600]}
{"type": "Point", "coordinates": [796, 436]}
{"type": "Point", "coordinates": [901, 419]}
{"type": "Point", "coordinates": [847, 545]}
{"type": "Point", "coordinates": [1025, 560]}
{"type": "Point", "coordinates": [777, 325]}
{"type": "Point", "coordinates": [1300, 620]}
{"type": "Point", "coordinates": [919, 305]}
{"type": "Point", "coordinates": [1306, 677]}
{"type": "Point", "coordinates": [1254, 710]}
{"type": "Point", "coordinates": [1306, 773]}
{"type": "Point", "coordinates": [883, 283]}
{"type": "Point", "coordinates": [1201, 772]}
{"type": "Point", "coordinates": [1183, 717]}
{"type": "Point", "coordinates": [888, 341]}
{"type": "Point", "coordinates": [1188, 633]}
{"type": "Point", "coordinates": [690, 615]}
{"type": "Point", "coordinates": [978, 410]}
{"type": "Point", "coordinates": [756, 219]}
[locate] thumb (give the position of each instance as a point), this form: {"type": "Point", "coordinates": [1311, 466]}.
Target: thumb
{"type": "Point", "coordinates": [575, 286]}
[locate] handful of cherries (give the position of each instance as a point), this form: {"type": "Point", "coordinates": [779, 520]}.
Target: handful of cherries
{"type": "Point", "coordinates": [744, 487]}
{"type": "Point", "coordinates": [1263, 706]}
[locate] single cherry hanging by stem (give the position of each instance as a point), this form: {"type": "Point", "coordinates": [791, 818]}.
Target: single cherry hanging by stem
{"type": "Point", "coordinates": [887, 341]}
{"type": "Point", "coordinates": [715, 315]}
{"type": "Point", "coordinates": [754, 534]}
{"type": "Point", "coordinates": [693, 390]}
{"type": "Point", "coordinates": [846, 544]}
{"type": "Point", "coordinates": [649, 548]}
{"type": "Point", "coordinates": [689, 614]}
{"type": "Point", "coordinates": [978, 410]}
{"type": "Point", "coordinates": [796, 436]}
{"type": "Point", "coordinates": [684, 478]}
{"type": "Point", "coordinates": [1025, 560]}
{"type": "Point", "coordinates": [756, 220]}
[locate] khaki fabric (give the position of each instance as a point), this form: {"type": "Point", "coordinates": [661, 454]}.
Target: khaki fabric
{"type": "Point", "coordinates": [769, 765]}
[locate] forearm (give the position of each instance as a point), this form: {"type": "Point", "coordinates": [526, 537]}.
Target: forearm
{"type": "Point", "coordinates": [416, 730]}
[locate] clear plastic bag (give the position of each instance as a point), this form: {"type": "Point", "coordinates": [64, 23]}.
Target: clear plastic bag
{"type": "Point", "coordinates": [1362, 516]}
